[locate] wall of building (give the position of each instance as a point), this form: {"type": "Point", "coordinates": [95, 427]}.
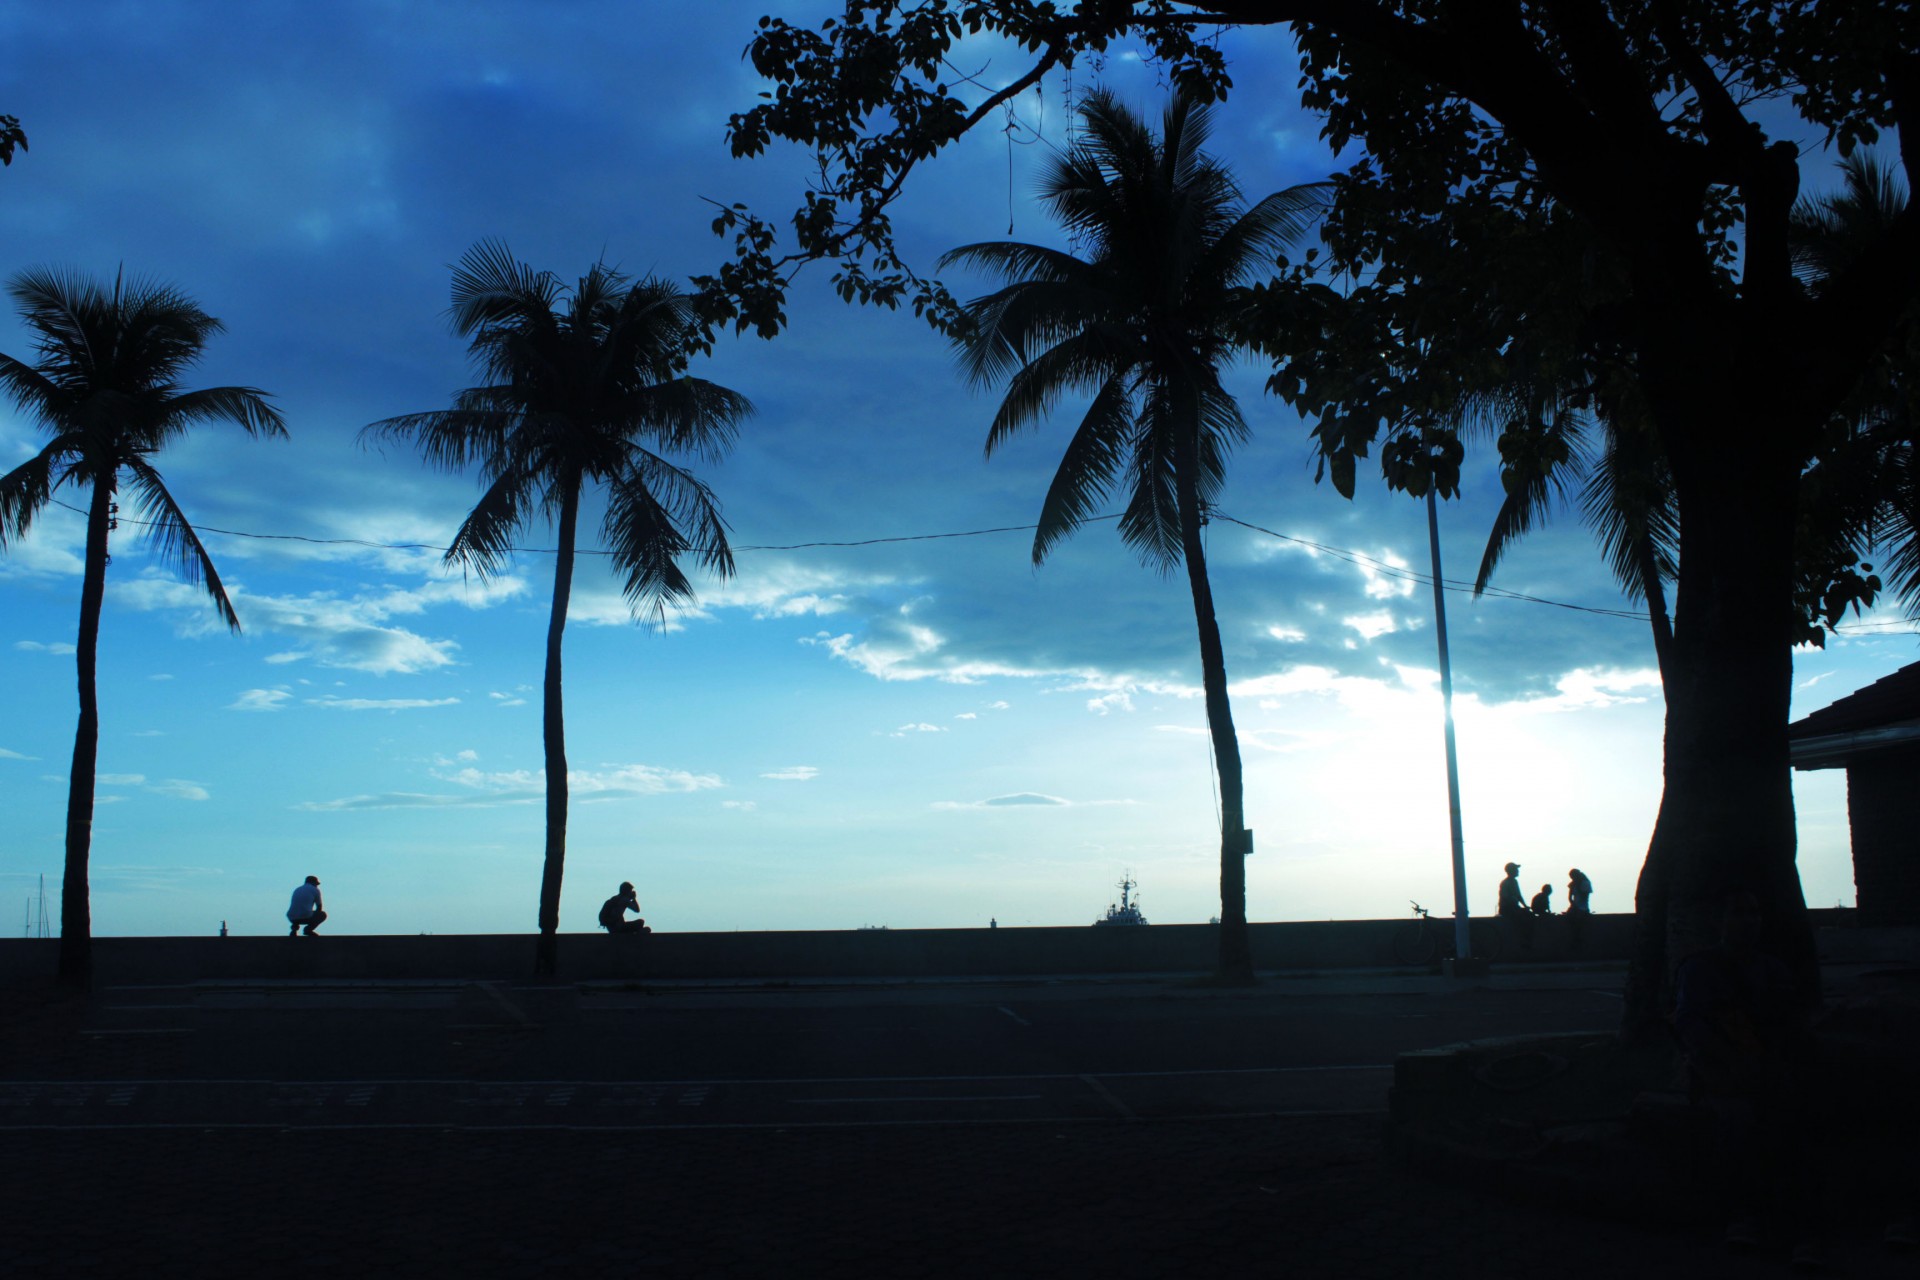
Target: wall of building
{"type": "Point", "coordinates": [1883, 808]}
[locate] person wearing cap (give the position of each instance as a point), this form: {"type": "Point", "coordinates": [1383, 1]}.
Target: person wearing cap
{"type": "Point", "coordinates": [305, 910]}
{"type": "Point", "coordinates": [613, 912]}
{"type": "Point", "coordinates": [1513, 905]}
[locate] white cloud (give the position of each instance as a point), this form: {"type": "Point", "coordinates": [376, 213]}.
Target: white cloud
{"type": "Point", "coordinates": [968, 715]}
{"type": "Point", "coordinates": [921, 727]}
{"type": "Point", "coordinates": [743, 806]}
{"type": "Point", "coordinates": [120, 779]}
{"type": "Point", "coordinates": [1119, 701]}
{"type": "Point", "coordinates": [467, 755]}
{"type": "Point", "coordinates": [1019, 799]}
{"type": "Point", "coordinates": [14, 755]}
{"type": "Point", "coordinates": [795, 773]}
{"type": "Point", "coordinates": [997, 706]}
{"type": "Point", "coordinates": [1371, 625]}
{"type": "Point", "coordinates": [161, 675]}
{"type": "Point", "coordinates": [34, 646]}
{"type": "Point", "coordinates": [260, 700]}
{"type": "Point", "coordinates": [1287, 635]}
{"type": "Point", "coordinates": [380, 704]}
{"type": "Point", "coordinates": [1384, 586]}
{"type": "Point", "coordinates": [482, 789]}
{"type": "Point", "coordinates": [328, 630]}
{"type": "Point", "coordinates": [507, 700]}
{"type": "Point", "coordinates": [179, 789]}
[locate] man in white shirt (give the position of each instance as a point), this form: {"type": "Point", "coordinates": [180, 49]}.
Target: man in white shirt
{"type": "Point", "coordinates": [305, 908]}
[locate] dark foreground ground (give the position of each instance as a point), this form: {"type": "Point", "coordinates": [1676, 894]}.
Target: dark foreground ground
{"type": "Point", "coordinates": [1072, 1128]}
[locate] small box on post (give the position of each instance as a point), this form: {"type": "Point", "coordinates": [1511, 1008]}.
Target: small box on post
{"type": "Point", "coordinates": [1241, 841]}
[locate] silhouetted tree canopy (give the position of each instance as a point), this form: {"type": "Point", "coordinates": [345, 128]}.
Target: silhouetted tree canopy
{"type": "Point", "coordinates": [1596, 186]}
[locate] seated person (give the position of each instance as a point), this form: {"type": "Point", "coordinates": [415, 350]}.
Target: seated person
{"type": "Point", "coordinates": [1543, 901]}
{"type": "Point", "coordinates": [613, 912]}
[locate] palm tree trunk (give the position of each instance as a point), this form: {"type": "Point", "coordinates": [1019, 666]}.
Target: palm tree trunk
{"type": "Point", "coordinates": [1236, 953]}
{"type": "Point", "coordinates": [554, 739]}
{"type": "Point", "coordinates": [76, 912]}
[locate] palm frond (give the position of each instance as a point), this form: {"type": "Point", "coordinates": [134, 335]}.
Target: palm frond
{"type": "Point", "coordinates": [174, 538]}
{"type": "Point", "coordinates": [34, 392]}
{"type": "Point", "coordinates": [1020, 322]}
{"type": "Point", "coordinates": [1150, 524]}
{"type": "Point", "coordinates": [1088, 468]}
{"type": "Point", "coordinates": [1247, 247]}
{"type": "Point", "coordinates": [1085, 361]}
{"type": "Point", "coordinates": [491, 286]}
{"type": "Point", "coordinates": [450, 439]}
{"type": "Point", "coordinates": [1629, 504]}
{"type": "Point", "coordinates": [25, 490]}
{"type": "Point", "coordinates": [484, 541]}
{"type": "Point", "coordinates": [245, 407]}
{"type": "Point", "coordinates": [688, 415]}
{"type": "Point", "coordinates": [656, 513]}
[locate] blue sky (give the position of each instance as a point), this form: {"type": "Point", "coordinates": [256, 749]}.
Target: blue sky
{"type": "Point", "coordinates": [922, 733]}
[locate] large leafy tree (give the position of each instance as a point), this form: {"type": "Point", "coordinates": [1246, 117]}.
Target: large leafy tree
{"type": "Point", "coordinates": [584, 386]}
{"type": "Point", "coordinates": [105, 387]}
{"type": "Point", "coordinates": [1142, 320]}
{"type": "Point", "coordinates": [1639, 125]}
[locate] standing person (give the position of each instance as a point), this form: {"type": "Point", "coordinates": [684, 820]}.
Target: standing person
{"type": "Point", "coordinates": [613, 912]}
{"type": "Point", "coordinates": [305, 909]}
{"type": "Point", "coordinates": [1579, 893]}
{"type": "Point", "coordinates": [1543, 901]}
{"type": "Point", "coordinates": [1513, 906]}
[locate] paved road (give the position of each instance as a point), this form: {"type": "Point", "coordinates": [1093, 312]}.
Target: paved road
{"type": "Point", "coordinates": [1137, 1129]}
{"type": "Point", "coordinates": [492, 1055]}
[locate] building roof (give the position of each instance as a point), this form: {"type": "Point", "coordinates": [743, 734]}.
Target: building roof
{"type": "Point", "coordinates": [1884, 714]}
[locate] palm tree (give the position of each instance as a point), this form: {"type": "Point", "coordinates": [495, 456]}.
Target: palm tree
{"type": "Point", "coordinates": [582, 386]}
{"type": "Point", "coordinates": [104, 387]}
{"type": "Point", "coordinates": [1144, 323]}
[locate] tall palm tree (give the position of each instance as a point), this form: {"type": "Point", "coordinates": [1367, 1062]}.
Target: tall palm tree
{"type": "Point", "coordinates": [1145, 323]}
{"type": "Point", "coordinates": [105, 388]}
{"type": "Point", "coordinates": [583, 386]}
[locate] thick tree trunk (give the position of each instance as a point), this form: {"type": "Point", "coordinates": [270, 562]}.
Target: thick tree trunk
{"type": "Point", "coordinates": [76, 911]}
{"type": "Point", "coordinates": [1236, 953]}
{"type": "Point", "coordinates": [1726, 817]}
{"type": "Point", "coordinates": [554, 739]}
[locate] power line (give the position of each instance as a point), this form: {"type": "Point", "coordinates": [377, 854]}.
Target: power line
{"type": "Point", "coordinates": [1346, 554]}
{"type": "Point", "coordinates": [1413, 575]}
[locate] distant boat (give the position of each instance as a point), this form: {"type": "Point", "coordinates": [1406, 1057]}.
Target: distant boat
{"type": "Point", "coordinates": [1125, 911]}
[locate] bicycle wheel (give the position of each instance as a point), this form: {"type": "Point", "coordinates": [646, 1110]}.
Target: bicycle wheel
{"type": "Point", "coordinates": [1414, 944]}
{"type": "Point", "coordinates": [1488, 938]}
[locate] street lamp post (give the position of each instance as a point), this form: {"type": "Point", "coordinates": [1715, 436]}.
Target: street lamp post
{"type": "Point", "coordinates": [1462, 944]}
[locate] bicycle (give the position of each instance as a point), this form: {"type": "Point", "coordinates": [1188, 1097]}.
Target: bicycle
{"type": "Point", "coordinates": [1425, 942]}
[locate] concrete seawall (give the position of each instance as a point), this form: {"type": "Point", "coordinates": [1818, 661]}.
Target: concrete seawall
{"type": "Point", "coordinates": [827, 954]}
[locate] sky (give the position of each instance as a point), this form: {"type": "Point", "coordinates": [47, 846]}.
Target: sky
{"type": "Point", "coordinates": [923, 732]}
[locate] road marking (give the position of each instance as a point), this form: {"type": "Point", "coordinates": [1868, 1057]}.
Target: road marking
{"type": "Point", "coordinates": [748, 1081]}
{"type": "Point", "coordinates": [428, 1126]}
{"type": "Point", "coordinates": [1094, 1084]}
{"type": "Point", "coordinates": [985, 1097]}
{"type": "Point", "coordinates": [1011, 1014]}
